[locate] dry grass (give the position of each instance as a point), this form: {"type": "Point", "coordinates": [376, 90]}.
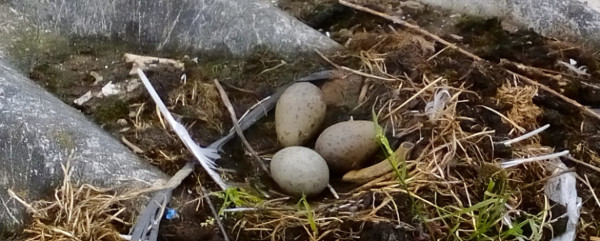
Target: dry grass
{"type": "Point", "coordinates": [78, 213]}
{"type": "Point", "coordinates": [523, 111]}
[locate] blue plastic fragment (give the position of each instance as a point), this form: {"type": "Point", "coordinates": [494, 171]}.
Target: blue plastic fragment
{"type": "Point", "coordinates": [171, 213]}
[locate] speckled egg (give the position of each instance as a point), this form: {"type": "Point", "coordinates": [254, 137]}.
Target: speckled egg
{"type": "Point", "coordinates": [299, 170]}
{"type": "Point", "coordinates": [299, 114]}
{"type": "Point", "coordinates": [346, 145]}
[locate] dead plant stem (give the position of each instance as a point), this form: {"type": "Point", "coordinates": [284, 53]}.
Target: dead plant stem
{"type": "Point", "coordinates": [411, 27]}
{"type": "Point", "coordinates": [572, 102]}
{"type": "Point", "coordinates": [214, 212]}
{"type": "Point", "coordinates": [237, 127]}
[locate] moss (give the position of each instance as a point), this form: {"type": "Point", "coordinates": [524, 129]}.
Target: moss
{"type": "Point", "coordinates": [31, 47]}
{"type": "Point", "coordinates": [55, 79]}
{"type": "Point", "coordinates": [492, 172]}
{"type": "Point", "coordinates": [64, 140]}
{"type": "Point", "coordinates": [110, 109]}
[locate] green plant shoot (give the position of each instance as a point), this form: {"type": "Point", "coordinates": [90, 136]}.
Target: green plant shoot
{"type": "Point", "coordinates": [236, 196]}
{"type": "Point", "coordinates": [309, 214]}
{"type": "Point", "coordinates": [389, 152]}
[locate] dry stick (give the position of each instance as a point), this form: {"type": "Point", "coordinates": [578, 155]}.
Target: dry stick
{"type": "Point", "coordinates": [595, 168]}
{"type": "Point", "coordinates": [214, 212]}
{"type": "Point", "coordinates": [411, 27]}
{"type": "Point", "coordinates": [515, 125]}
{"type": "Point", "coordinates": [239, 131]}
{"type": "Point", "coordinates": [467, 53]}
{"type": "Point", "coordinates": [587, 183]}
{"type": "Point", "coordinates": [584, 109]}
{"type": "Point", "coordinates": [530, 70]}
{"type": "Point", "coordinates": [351, 70]}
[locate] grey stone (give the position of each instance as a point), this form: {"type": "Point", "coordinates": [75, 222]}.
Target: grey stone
{"type": "Point", "coordinates": [222, 27]}
{"type": "Point", "coordinates": [39, 134]}
{"type": "Point", "coordinates": [573, 20]}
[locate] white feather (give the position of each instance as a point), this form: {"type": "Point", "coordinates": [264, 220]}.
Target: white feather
{"type": "Point", "coordinates": [205, 156]}
{"type": "Point", "coordinates": [519, 161]}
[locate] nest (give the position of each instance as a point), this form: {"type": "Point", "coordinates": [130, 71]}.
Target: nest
{"type": "Point", "coordinates": [454, 187]}
{"type": "Point", "coordinates": [462, 113]}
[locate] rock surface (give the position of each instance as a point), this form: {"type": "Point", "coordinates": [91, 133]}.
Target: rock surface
{"type": "Point", "coordinates": [38, 133]}
{"type": "Point", "coordinates": [565, 19]}
{"type": "Point", "coordinates": [235, 27]}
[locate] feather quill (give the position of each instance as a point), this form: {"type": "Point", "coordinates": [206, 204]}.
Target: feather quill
{"type": "Point", "coordinates": [205, 156]}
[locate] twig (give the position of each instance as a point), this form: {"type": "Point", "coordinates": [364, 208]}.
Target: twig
{"type": "Point", "coordinates": [258, 104]}
{"type": "Point", "coordinates": [530, 70]}
{"type": "Point", "coordinates": [525, 136]}
{"type": "Point", "coordinates": [327, 59]}
{"type": "Point", "coordinates": [215, 214]}
{"type": "Point", "coordinates": [239, 131]}
{"type": "Point", "coordinates": [131, 146]}
{"type": "Point", "coordinates": [272, 68]}
{"type": "Point", "coordinates": [173, 182]}
{"type": "Point", "coordinates": [333, 192]}
{"type": "Point", "coordinates": [145, 62]}
{"type": "Point", "coordinates": [587, 183]}
{"type": "Point", "coordinates": [438, 53]}
{"type": "Point", "coordinates": [574, 103]}
{"type": "Point", "coordinates": [21, 201]}
{"type": "Point", "coordinates": [239, 89]}
{"type": "Point", "coordinates": [595, 168]}
{"type": "Point", "coordinates": [411, 27]}
{"type": "Point", "coordinates": [8, 211]}
{"type": "Point", "coordinates": [353, 70]}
